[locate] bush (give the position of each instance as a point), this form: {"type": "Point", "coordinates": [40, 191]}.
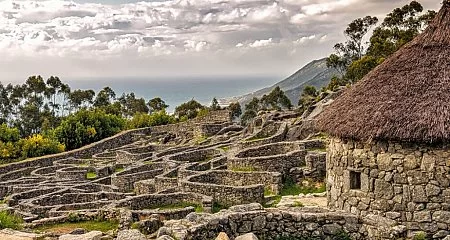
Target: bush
{"type": "Point", "coordinates": [88, 126]}
{"type": "Point", "coordinates": [141, 120]}
{"type": "Point", "coordinates": [37, 145]}
{"type": "Point", "coordinates": [8, 220]}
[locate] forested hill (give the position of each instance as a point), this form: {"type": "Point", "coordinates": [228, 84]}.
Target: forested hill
{"type": "Point", "coordinates": [315, 73]}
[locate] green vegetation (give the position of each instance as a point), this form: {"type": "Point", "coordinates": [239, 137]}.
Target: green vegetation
{"type": "Point", "coordinates": [298, 204]}
{"type": "Point", "coordinates": [103, 226]}
{"type": "Point", "coordinates": [8, 220]}
{"type": "Point", "coordinates": [268, 192]}
{"type": "Point", "coordinates": [275, 200]}
{"type": "Point", "coordinates": [276, 100]}
{"type": "Point", "coordinates": [141, 120]}
{"type": "Point", "coordinates": [243, 169]}
{"type": "Point", "coordinates": [216, 207]}
{"type": "Point", "coordinates": [235, 110]}
{"type": "Point", "coordinates": [420, 236]}
{"type": "Point", "coordinates": [354, 58]}
{"type": "Point", "coordinates": [91, 175]}
{"type": "Point", "coordinates": [189, 110]}
{"type": "Point", "coordinates": [199, 139]}
{"type": "Point", "coordinates": [292, 188]}
{"type": "Point", "coordinates": [225, 148]}
{"type": "Point", "coordinates": [119, 169]}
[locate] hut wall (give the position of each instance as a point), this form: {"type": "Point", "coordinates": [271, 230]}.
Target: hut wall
{"type": "Point", "coordinates": [405, 182]}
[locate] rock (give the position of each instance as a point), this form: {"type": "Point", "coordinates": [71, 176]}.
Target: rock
{"type": "Point", "coordinates": [78, 231]}
{"type": "Point", "coordinates": [131, 234]}
{"type": "Point", "coordinates": [192, 217]}
{"type": "Point", "coordinates": [163, 231]}
{"type": "Point", "coordinates": [246, 207]}
{"type": "Point", "coordinates": [9, 234]}
{"type": "Point", "coordinates": [165, 237]}
{"type": "Point", "coordinates": [94, 235]}
{"type": "Point", "coordinates": [222, 236]}
{"type": "Point", "coordinates": [248, 236]}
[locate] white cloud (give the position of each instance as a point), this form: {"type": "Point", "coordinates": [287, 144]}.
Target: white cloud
{"type": "Point", "coordinates": [159, 34]}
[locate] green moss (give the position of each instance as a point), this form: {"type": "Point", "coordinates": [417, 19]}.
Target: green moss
{"type": "Point", "coordinates": [420, 236]}
{"type": "Point", "coordinates": [135, 225]}
{"type": "Point", "coordinates": [103, 226]}
{"type": "Point", "coordinates": [91, 175]}
{"type": "Point", "coordinates": [243, 169]}
{"type": "Point", "coordinates": [119, 169]}
{"type": "Point", "coordinates": [8, 220]}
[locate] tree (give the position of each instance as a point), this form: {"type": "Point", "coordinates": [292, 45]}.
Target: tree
{"type": "Point", "coordinates": [215, 105]}
{"type": "Point", "coordinates": [398, 28]}
{"type": "Point", "coordinates": [156, 105]}
{"type": "Point", "coordinates": [104, 97]}
{"type": "Point", "coordinates": [81, 98]}
{"type": "Point", "coordinates": [87, 126]}
{"type": "Point", "coordinates": [308, 98]}
{"type": "Point", "coordinates": [189, 109]}
{"type": "Point", "coordinates": [54, 87]}
{"type": "Point", "coordinates": [235, 109]}
{"type": "Point", "coordinates": [276, 99]}
{"type": "Point", "coordinates": [353, 49]}
{"type": "Point", "coordinates": [251, 111]}
{"type": "Point", "coordinates": [132, 105]}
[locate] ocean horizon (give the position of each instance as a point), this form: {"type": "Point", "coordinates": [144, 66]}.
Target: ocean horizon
{"type": "Point", "coordinates": [175, 91]}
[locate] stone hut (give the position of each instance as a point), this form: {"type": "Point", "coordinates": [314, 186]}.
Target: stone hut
{"type": "Point", "coordinates": [389, 150]}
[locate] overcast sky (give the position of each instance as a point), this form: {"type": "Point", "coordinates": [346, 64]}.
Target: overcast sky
{"type": "Point", "coordinates": [122, 38]}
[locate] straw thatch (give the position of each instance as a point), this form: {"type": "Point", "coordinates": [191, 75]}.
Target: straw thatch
{"type": "Point", "coordinates": [407, 98]}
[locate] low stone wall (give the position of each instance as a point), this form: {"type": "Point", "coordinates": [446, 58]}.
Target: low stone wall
{"type": "Point", "coordinates": [155, 201]}
{"type": "Point", "coordinates": [231, 188]}
{"type": "Point", "coordinates": [405, 182]}
{"type": "Point", "coordinates": [126, 179]}
{"type": "Point", "coordinates": [210, 129]}
{"type": "Point", "coordinates": [278, 136]}
{"type": "Point", "coordinates": [275, 157]}
{"type": "Point", "coordinates": [293, 223]}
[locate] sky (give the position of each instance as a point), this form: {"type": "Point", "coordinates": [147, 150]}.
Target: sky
{"type": "Point", "coordinates": [118, 39]}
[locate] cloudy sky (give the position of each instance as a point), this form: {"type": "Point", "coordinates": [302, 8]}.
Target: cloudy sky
{"type": "Point", "coordinates": [123, 38]}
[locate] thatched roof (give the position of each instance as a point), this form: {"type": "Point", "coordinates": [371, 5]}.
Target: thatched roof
{"type": "Point", "coordinates": [407, 98]}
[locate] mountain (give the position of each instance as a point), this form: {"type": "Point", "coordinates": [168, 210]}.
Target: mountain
{"type": "Point", "coordinates": [315, 73]}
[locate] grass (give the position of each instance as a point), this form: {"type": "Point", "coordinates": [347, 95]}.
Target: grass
{"type": "Point", "coordinates": [317, 150]}
{"type": "Point", "coordinates": [216, 207]}
{"type": "Point", "coordinates": [8, 220]}
{"type": "Point", "coordinates": [119, 169]}
{"type": "Point", "coordinates": [225, 148]}
{"type": "Point", "coordinates": [268, 192]}
{"type": "Point", "coordinates": [91, 175]}
{"type": "Point", "coordinates": [298, 204]}
{"type": "Point", "coordinates": [292, 188]}
{"type": "Point", "coordinates": [198, 207]}
{"type": "Point", "coordinates": [243, 169]}
{"type": "Point", "coordinates": [274, 203]}
{"type": "Point", "coordinates": [67, 227]}
{"type": "Point", "coordinates": [420, 236]}
{"type": "Point", "coordinates": [200, 139]}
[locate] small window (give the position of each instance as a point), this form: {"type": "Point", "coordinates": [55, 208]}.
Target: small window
{"type": "Point", "coordinates": [355, 180]}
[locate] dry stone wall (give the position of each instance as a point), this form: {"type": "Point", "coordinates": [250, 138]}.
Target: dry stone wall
{"type": "Point", "coordinates": [405, 182]}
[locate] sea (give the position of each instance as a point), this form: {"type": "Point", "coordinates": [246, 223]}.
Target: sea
{"type": "Point", "coordinates": [175, 91]}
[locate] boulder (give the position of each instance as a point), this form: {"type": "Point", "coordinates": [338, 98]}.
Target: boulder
{"type": "Point", "coordinates": [9, 234]}
{"type": "Point", "coordinates": [248, 236]}
{"type": "Point", "coordinates": [246, 207]}
{"type": "Point", "coordinates": [94, 235]}
{"type": "Point", "coordinates": [222, 236]}
{"type": "Point", "coordinates": [131, 234]}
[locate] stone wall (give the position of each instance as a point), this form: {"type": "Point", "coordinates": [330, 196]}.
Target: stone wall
{"type": "Point", "coordinates": [232, 188]}
{"type": "Point", "coordinates": [405, 182]}
{"type": "Point", "coordinates": [296, 223]}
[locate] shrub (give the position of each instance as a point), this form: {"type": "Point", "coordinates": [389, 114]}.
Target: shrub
{"type": "Point", "coordinates": [88, 126]}
{"type": "Point", "coordinates": [37, 145]}
{"type": "Point", "coordinates": [8, 220]}
{"type": "Point", "coordinates": [141, 120]}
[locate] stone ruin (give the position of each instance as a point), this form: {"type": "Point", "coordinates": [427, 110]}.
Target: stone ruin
{"type": "Point", "coordinates": [188, 180]}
